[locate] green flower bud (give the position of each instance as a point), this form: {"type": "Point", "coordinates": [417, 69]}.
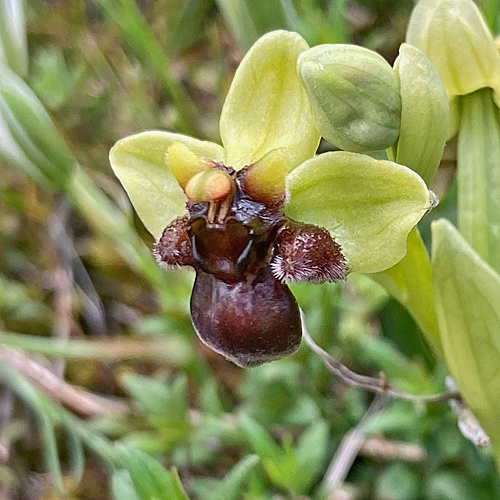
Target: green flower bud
{"type": "Point", "coordinates": [355, 96]}
{"type": "Point", "coordinates": [455, 37]}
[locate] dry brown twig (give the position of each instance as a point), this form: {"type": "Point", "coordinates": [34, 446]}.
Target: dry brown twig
{"type": "Point", "coordinates": [349, 447]}
{"type": "Point", "coordinates": [79, 400]}
{"type": "Point", "coordinates": [377, 385]}
{"type": "Point", "coordinates": [387, 450]}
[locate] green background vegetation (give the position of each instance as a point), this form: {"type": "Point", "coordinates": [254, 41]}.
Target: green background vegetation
{"type": "Point", "coordinates": [72, 266]}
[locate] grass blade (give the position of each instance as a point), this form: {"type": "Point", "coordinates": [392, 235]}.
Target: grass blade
{"type": "Point", "coordinates": [13, 43]}
{"type": "Point", "coordinates": [38, 405]}
{"type": "Point", "coordinates": [139, 36]}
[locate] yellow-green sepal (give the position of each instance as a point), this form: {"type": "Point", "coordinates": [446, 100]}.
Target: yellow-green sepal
{"type": "Point", "coordinates": [141, 163]}
{"type": "Point", "coordinates": [266, 107]}
{"type": "Point", "coordinates": [410, 283]}
{"type": "Point", "coordinates": [455, 37]}
{"type": "Point", "coordinates": [425, 113]}
{"type": "Point", "coordinates": [355, 96]}
{"type": "Point", "coordinates": [369, 206]}
{"type": "Point", "coordinates": [467, 295]}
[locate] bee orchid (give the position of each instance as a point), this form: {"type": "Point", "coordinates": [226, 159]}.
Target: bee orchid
{"type": "Point", "coordinates": [262, 210]}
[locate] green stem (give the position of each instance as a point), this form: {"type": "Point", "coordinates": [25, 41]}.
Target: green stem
{"type": "Point", "coordinates": [168, 349]}
{"type": "Point", "coordinates": [478, 162]}
{"type": "Point", "coordinates": [491, 14]}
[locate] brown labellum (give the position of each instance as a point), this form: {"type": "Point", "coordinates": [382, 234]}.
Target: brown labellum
{"type": "Point", "coordinates": [249, 322]}
{"type": "Point", "coordinates": [243, 251]}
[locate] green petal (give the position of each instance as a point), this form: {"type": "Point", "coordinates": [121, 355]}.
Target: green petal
{"type": "Point", "coordinates": [267, 107]}
{"type": "Point", "coordinates": [454, 36]}
{"type": "Point", "coordinates": [368, 205]}
{"type": "Point", "coordinates": [467, 294]}
{"type": "Point", "coordinates": [140, 162]}
{"type": "Point", "coordinates": [425, 113]}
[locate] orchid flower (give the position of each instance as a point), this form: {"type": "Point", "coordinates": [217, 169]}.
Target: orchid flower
{"type": "Point", "coordinates": [262, 210]}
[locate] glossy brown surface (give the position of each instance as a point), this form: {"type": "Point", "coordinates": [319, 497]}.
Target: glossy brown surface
{"type": "Point", "coordinates": [249, 322]}
{"type": "Point", "coordinates": [243, 251]}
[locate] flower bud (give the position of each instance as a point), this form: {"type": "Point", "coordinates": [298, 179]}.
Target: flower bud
{"type": "Point", "coordinates": [354, 94]}
{"type": "Point", "coordinates": [455, 37]}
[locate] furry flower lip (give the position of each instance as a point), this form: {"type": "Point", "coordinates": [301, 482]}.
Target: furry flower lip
{"type": "Point", "coordinates": [243, 249]}
{"type": "Point", "coordinates": [262, 210]}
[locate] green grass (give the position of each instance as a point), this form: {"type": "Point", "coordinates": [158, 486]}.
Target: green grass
{"type": "Point", "coordinates": [90, 298]}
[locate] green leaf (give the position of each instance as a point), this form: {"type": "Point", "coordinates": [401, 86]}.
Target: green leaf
{"type": "Point", "coordinates": [28, 135]}
{"type": "Point", "coordinates": [450, 32]}
{"type": "Point", "coordinates": [266, 107]}
{"type": "Point", "coordinates": [478, 163]}
{"type": "Point", "coordinates": [140, 162]}
{"type": "Point", "coordinates": [150, 479]}
{"type": "Point", "coordinates": [167, 401]}
{"type": "Point", "coordinates": [410, 283]}
{"type": "Point", "coordinates": [292, 468]}
{"type": "Point", "coordinates": [450, 485]}
{"type": "Point", "coordinates": [54, 80]}
{"type": "Point", "coordinates": [237, 477]}
{"type": "Point", "coordinates": [491, 13]}
{"type": "Point", "coordinates": [399, 481]}
{"type": "Point", "coordinates": [318, 22]}
{"type": "Point", "coordinates": [425, 113]}
{"type": "Point", "coordinates": [210, 398]}
{"type": "Point", "coordinates": [259, 439]}
{"type": "Point", "coordinates": [311, 453]}
{"type": "Point", "coordinates": [355, 96]}
{"type": "Point", "coordinates": [467, 294]}
{"type": "Point", "coordinates": [122, 486]}
{"type": "Point", "coordinates": [13, 42]}
{"type": "Point", "coordinates": [187, 27]}
{"type": "Point", "coordinates": [368, 205]}
{"type": "Point", "coordinates": [76, 451]}
{"type": "Point", "coordinates": [239, 21]}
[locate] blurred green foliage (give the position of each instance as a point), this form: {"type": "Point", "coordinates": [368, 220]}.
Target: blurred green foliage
{"type": "Point", "coordinates": [195, 426]}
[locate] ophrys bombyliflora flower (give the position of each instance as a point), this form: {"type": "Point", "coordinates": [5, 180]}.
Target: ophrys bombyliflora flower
{"type": "Point", "coordinates": [263, 210]}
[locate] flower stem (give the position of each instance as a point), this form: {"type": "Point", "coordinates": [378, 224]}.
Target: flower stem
{"type": "Point", "coordinates": [478, 160]}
